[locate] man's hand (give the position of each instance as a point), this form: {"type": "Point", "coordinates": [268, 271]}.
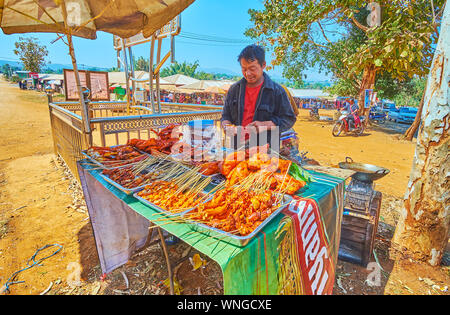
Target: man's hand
{"type": "Point", "coordinates": [262, 125]}
{"type": "Point", "coordinates": [229, 128]}
{"type": "Point", "coordinates": [225, 124]}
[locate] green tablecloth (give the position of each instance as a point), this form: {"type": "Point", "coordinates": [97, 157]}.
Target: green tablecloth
{"type": "Point", "coordinates": [256, 268]}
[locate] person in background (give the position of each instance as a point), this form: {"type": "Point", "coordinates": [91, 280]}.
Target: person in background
{"type": "Point", "coordinates": [352, 109]}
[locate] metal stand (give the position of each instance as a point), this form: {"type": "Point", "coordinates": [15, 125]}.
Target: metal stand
{"type": "Point", "coordinates": [166, 254]}
{"type": "Point", "coordinates": [360, 222]}
{"type": "Point", "coordinates": [120, 44]}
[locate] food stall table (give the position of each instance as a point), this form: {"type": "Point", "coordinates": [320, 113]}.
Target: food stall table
{"type": "Point", "coordinates": [295, 253]}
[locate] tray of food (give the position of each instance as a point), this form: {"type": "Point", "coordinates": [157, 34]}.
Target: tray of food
{"type": "Point", "coordinates": [114, 156]}
{"type": "Point", "coordinates": [126, 179]}
{"type": "Point", "coordinates": [132, 178]}
{"type": "Point", "coordinates": [236, 216]}
{"type": "Point", "coordinates": [166, 197]}
{"type": "Point", "coordinates": [209, 169]}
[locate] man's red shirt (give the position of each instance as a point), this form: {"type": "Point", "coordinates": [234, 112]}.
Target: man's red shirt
{"type": "Point", "coordinates": [251, 96]}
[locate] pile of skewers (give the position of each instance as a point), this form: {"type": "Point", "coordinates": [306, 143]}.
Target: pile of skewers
{"type": "Point", "coordinates": [234, 211]}
{"type": "Point", "coordinates": [255, 188]}
{"type": "Point", "coordinates": [255, 184]}
{"type": "Point", "coordinates": [240, 209]}
{"type": "Point", "coordinates": [181, 189]}
{"type": "Point", "coordinates": [140, 173]}
{"type": "Point", "coordinates": [237, 166]}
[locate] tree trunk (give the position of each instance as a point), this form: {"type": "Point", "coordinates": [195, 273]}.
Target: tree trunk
{"type": "Point", "coordinates": [367, 82]}
{"type": "Point", "coordinates": [409, 134]}
{"type": "Point", "coordinates": [423, 228]}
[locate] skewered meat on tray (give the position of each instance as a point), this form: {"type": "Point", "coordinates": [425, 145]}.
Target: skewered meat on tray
{"type": "Point", "coordinates": [115, 156]}
{"type": "Point", "coordinates": [166, 138]}
{"type": "Point", "coordinates": [127, 178]}
{"type": "Point", "coordinates": [166, 194]}
{"type": "Point", "coordinates": [236, 211]}
{"type": "Point", "coordinates": [273, 170]}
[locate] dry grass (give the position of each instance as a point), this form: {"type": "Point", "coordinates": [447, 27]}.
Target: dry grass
{"type": "Point", "coordinates": [3, 228]}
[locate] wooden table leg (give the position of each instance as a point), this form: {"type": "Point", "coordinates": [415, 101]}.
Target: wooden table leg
{"type": "Point", "coordinates": [166, 254]}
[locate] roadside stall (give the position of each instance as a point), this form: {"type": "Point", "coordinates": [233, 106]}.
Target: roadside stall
{"type": "Point", "coordinates": [272, 226]}
{"type": "Point", "coordinates": [282, 239]}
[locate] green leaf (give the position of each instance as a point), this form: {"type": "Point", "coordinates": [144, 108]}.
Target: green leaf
{"type": "Point", "coordinates": [404, 53]}
{"type": "Point", "coordinates": [378, 62]}
{"type": "Point", "coordinates": [299, 173]}
{"type": "Point", "coordinates": [388, 49]}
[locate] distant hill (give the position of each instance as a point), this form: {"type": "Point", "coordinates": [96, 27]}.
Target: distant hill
{"type": "Point", "coordinates": [56, 67]}
{"type": "Point", "coordinates": [11, 63]}
{"type": "Point", "coordinates": [316, 80]}
{"type": "Point", "coordinates": [219, 71]}
{"type": "Point", "coordinates": [59, 67]}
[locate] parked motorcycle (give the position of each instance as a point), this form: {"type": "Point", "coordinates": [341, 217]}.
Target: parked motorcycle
{"type": "Point", "coordinates": [342, 125]}
{"type": "Point", "coordinates": [377, 116]}
{"type": "Point", "coordinates": [314, 112]}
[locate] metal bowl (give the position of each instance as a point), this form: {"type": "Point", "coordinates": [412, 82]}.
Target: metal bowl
{"type": "Point", "coordinates": [364, 172]}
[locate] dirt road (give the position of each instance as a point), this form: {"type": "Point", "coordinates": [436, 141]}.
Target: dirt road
{"type": "Point", "coordinates": [373, 147]}
{"type": "Point", "coordinates": [34, 196]}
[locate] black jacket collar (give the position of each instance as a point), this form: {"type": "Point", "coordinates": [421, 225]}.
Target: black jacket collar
{"type": "Point", "coordinates": [267, 84]}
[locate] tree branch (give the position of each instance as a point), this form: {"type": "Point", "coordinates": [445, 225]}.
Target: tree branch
{"type": "Point", "coordinates": [359, 25]}
{"type": "Point", "coordinates": [323, 32]}
{"type": "Point", "coordinates": [432, 11]}
{"type": "Point", "coordinates": [314, 43]}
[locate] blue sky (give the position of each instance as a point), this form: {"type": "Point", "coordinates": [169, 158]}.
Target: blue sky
{"type": "Point", "coordinates": [225, 19]}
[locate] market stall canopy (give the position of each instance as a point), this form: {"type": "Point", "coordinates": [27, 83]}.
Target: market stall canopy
{"type": "Point", "coordinates": [123, 18]}
{"type": "Point", "coordinates": [116, 78]}
{"type": "Point", "coordinates": [215, 89]}
{"type": "Point", "coordinates": [203, 84]}
{"type": "Point", "coordinates": [50, 76]}
{"type": "Point", "coordinates": [308, 93]}
{"type": "Point", "coordinates": [119, 77]}
{"type": "Point", "coordinates": [168, 87]}
{"type": "Point", "coordinates": [162, 81]}
{"type": "Point", "coordinates": [180, 79]}
{"type": "Point", "coordinates": [226, 87]}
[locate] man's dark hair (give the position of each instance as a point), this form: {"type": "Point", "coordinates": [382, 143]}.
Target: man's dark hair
{"type": "Point", "coordinates": [253, 52]}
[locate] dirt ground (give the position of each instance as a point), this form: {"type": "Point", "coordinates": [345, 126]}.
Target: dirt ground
{"type": "Point", "coordinates": [41, 204]}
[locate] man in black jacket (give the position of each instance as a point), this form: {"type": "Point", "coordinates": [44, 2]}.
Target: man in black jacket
{"type": "Point", "coordinates": [256, 103]}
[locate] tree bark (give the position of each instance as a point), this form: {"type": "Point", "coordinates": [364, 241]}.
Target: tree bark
{"type": "Point", "coordinates": [423, 228]}
{"type": "Point", "coordinates": [367, 82]}
{"type": "Point", "coordinates": [409, 134]}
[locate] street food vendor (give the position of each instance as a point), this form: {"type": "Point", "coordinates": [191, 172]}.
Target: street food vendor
{"type": "Point", "coordinates": [256, 101]}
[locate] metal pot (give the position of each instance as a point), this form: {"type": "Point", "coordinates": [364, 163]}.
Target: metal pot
{"type": "Point", "coordinates": [364, 172]}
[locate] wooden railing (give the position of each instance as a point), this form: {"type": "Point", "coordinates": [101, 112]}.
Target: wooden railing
{"type": "Point", "coordinates": [68, 138]}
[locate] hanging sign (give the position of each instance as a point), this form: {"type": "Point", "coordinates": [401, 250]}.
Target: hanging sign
{"type": "Point", "coordinates": [170, 29]}
{"type": "Point", "coordinates": [367, 98]}
{"type": "Point", "coordinates": [96, 81]}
